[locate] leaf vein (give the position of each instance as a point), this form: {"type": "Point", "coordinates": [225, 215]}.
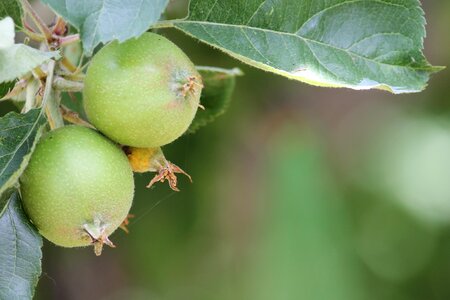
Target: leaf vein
{"type": "Point", "coordinates": [13, 226]}
{"type": "Point", "coordinates": [256, 49]}
{"type": "Point", "coordinates": [21, 143]}
{"type": "Point", "coordinates": [345, 3]}
{"type": "Point", "coordinates": [356, 55]}
{"type": "Point", "coordinates": [256, 11]}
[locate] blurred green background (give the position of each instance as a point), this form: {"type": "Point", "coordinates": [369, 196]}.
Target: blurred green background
{"type": "Point", "coordinates": [299, 193]}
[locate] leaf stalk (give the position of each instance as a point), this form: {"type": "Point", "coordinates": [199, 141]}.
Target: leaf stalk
{"type": "Point", "coordinates": [163, 24]}
{"type": "Point", "coordinates": [43, 28]}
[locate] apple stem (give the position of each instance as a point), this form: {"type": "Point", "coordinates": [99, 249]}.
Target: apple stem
{"type": "Point", "coordinates": [67, 40]}
{"type": "Point", "coordinates": [163, 24]}
{"type": "Point", "coordinates": [64, 85]}
{"type": "Point", "coordinates": [73, 117]}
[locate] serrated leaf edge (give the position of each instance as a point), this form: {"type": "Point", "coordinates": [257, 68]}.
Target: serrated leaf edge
{"type": "Point", "coordinates": [305, 79]}
{"type": "Point", "coordinates": [26, 158]}
{"type": "Point", "coordinates": [19, 211]}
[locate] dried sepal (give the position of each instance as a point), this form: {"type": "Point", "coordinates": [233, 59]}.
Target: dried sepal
{"type": "Point", "coordinates": [193, 84]}
{"type": "Point", "coordinates": [144, 160]}
{"type": "Point", "coordinates": [167, 172]}
{"type": "Point", "coordinates": [96, 231]}
{"type": "Point", "coordinates": [126, 222]}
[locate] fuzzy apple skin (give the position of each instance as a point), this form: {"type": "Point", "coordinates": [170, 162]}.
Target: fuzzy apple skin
{"type": "Point", "coordinates": [134, 92]}
{"type": "Point", "coordinates": [76, 177]}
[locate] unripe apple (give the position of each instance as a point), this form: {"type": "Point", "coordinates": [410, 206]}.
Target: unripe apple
{"type": "Point", "coordinates": [143, 92]}
{"type": "Point", "coordinates": [77, 188]}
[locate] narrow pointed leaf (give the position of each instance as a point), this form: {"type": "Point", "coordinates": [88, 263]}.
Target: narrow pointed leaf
{"type": "Point", "coordinates": [216, 94]}
{"type": "Point", "coordinates": [100, 21]}
{"type": "Point", "coordinates": [359, 44]}
{"type": "Point", "coordinates": [20, 252]}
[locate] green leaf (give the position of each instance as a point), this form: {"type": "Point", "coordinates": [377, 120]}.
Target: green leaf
{"type": "Point", "coordinates": [358, 44]}
{"type": "Point", "coordinates": [19, 134]}
{"type": "Point", "coordinates": [216, 95]}
{"type": "Point", "coordinates": [12, 9]}
{"type": "Point", "coordinates": [20, 253]}
{"type": "Point", "coordinates": [100, 21]}
{"type": "Point", "coordinates": [18, 59]}
{"type": "Point", "coordinates": [7, 30]}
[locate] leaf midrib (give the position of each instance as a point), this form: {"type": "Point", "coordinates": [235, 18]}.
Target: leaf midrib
{"type": "Point", "coordinates": [346, 3]}
{"type": "Point", "coordinates": [13, 226]}
{"type": "Point", "coordinates": [305, 39]}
